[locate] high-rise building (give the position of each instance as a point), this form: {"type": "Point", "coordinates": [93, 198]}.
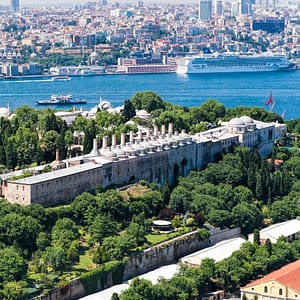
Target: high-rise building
{"type": "Point", "coordinates": [218, 7]}
{"type": "Point", "coordinates": [205, 10]}
{"type": "Point", "coordinates": [15, 5]}
{"type": "Point", "coordinates": [246, 7]}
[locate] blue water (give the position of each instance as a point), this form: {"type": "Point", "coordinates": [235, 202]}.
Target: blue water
{"type": "Point", "coordinates": [188, 90]}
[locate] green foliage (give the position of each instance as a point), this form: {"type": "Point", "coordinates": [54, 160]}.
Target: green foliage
{"type": "Point", "coordinates": [203, 233]}
{"type": "Point", "coordinates": [14, 290]}
{"type": "Point", "coordinates": [64, 232]}
{"type": "Point", "coordinates": [147, 100]}
{"type": "Point", "coordinates": [97, 278]}
{"type": "Point", "coordinates": [12, 265]}
{"type": "Point", "coordinates": [128, 111]}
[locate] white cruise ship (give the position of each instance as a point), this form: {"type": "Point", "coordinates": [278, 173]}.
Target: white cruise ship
{"type": "Point", "coordinates": [233, 64]}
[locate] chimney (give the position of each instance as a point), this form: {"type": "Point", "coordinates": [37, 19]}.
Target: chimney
{"type": "Point", "coordinates": [170, 129]}
{"type": "Point", "coordinates": [104, 142]}
{"type": "Point", "coordinates": [122, 139]}
{"type": "Point", "coordinates": [113, 141]}
{"type": "Point", "coordinates": [140, 135]}
{"type": "Point", "coordinates": [131, 137]}
{"type": "Point", "coordinates": [155, 131]}
{"type": "Point", "coordinates": [148, 133]}
{"type": "Point", "coordinates": [95, 144]}
{"type": "Point", "coordinates": [163, 129]}
{"type": "Point", "coordinates": [57, 154]}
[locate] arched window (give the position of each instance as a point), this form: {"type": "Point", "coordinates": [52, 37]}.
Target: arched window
{"type": "Point", "coordinates": [280, 292]}
{"type": "Point", "coordinates": [266, 289]}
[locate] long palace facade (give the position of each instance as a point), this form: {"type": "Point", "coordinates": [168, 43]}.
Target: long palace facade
{"type": "Point", "coordinates": [153, 156]}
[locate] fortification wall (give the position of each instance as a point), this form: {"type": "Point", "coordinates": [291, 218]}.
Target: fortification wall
{"type": "Point", "coordinates": [142, 262]}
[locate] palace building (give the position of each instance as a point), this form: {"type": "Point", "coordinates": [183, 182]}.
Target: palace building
{"type": "Point", "coordinates": [155, 156]}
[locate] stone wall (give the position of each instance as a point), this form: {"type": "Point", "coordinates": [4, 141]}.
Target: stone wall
{"type": "Point", "coordinates": [170, 251]}
{"type": "Point", "coordinates": [142, 262]}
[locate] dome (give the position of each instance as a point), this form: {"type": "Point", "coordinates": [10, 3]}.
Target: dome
{"type": "Point", "coordinates": [104, 105]}
{"type": "Point", "coordinates": [4, 112]}
{"type": "Point", "coordinates": [128, 149]}
{"type": "Point", "coordinates": [108, 153]}
{"type": "Point", "coordinates": [119, 152]}
{"type": "Point", "coordinates": [33, 55]}
{"type": "Point", "coordinates": [236, 122]}
{"type": "Point", "coordinates": [147, 145]}
{"type": "Point", "coordinates": [143, 114]}
{"type": "Point", "coordinates": [246, 119]}
{"type": "Point", "coordinates": [138, 147]}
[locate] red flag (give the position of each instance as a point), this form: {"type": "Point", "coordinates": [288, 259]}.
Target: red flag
{"type": "Point", "coordinates": [270, 100]}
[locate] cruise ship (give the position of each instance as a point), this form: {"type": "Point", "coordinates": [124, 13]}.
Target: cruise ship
{"type": "Point", "coordinates": [233, 63]}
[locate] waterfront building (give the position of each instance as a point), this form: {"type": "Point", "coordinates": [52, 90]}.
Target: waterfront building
{"type": "Point", "coordinates": [205, 10]}
{"type": "Point", "coordinates": [155, 156]}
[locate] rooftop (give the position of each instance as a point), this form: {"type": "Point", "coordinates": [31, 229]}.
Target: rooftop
{"type": "Point", "coordinates": [217, 252]}
{"type": "Point", "coordinates": [288, 275]}
{"type": "Point", "coordinates": [286, 228]}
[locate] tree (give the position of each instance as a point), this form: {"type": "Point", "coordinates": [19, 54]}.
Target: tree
{"type": "Point", "coordinates": [20, 231]}
{"type": "Point", "coordinates": [51, 141]}
{"type": "Point", "coordinates": [128, 111]}
{"type": "Point", "coordinates": [268, 246]}
{"type": "Point", "coordinates": [111, 202]}
{"type": "Point", "coordinates": [42, 241]}
{"type": "Point", "coordinates": [103, 226]}
{"type": "Point", "coordinates": [64, 232]}
{"type": "Point", "coordinates": [147, 100]}
{"type": "Point", "coordinates": [256, 237]}
{"type": "Point", "coordinates": [220, 218]}
{"type": "Point", "coordinates": [180, 199]}
{"type": "Point", "coordinates": [247, 216]}
{"type": "Point", "coordinates": [211, 110]}
{"type": "Point", "coordinates": [73, 252]}
{"type": "Point", "coordinates": [139, 289]}
{"type": "Point", "coordinates": [282, 210]}
{"type": "Point", "coordinates": [12, 265]}
{"type": "Point", "coordinates": [53, 259]}
{"type": "Point", "coordinates": [14, 290]}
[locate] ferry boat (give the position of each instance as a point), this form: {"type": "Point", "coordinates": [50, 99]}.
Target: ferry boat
{"type": "Point", "coordinates": [230, 63]}
{"type": "Point", "coordinates": [61, 100]}
{"type": "Point", "coordinates": [61, 78]}
{"type": "Point", "coordinates": [75, 71]}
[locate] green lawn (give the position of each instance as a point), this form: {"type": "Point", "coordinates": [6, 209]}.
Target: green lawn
{"type": "Point", "coordinates": [156, 238]}
{"type": "Point", "coordinates": [85, 261]}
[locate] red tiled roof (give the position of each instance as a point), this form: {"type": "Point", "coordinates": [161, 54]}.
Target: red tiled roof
{"type": "Point", "coordinates": [288, 275]}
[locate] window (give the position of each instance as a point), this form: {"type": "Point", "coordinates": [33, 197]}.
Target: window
{"type": "Point", "coordinates": [266, 289]}
{"type": "Point", "coordinates": [280, 292]}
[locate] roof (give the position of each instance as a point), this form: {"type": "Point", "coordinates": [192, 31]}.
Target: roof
{"type": "Point", "coordinates": [57, 174]}
{"type": "Point", "coordinates": [161, 223]}
{"type": "Point", "coordinates": [217, 252]}
{"type": "Point", "coordinates": [166, 272]}
{"type": "Point", "coordinates": [288, 275]}
{"type": "Point", "coordinates": [286, 229]}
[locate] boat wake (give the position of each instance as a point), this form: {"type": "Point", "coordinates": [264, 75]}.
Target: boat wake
{"type": "Point", "coordinates": [26, 80]}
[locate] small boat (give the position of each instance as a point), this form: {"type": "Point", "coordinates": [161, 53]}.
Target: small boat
{"type": "Point", "coordinates": [61, 78]}
{"type": "Point", "coordinates": [61, 100]}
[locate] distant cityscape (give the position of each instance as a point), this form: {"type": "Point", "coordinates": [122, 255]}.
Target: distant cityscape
{"type": "Point", "coordinates": [145, 33]}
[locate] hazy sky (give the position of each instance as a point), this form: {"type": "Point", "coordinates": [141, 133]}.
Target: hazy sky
{"type": "Point", "coordinates": [42, 2]}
